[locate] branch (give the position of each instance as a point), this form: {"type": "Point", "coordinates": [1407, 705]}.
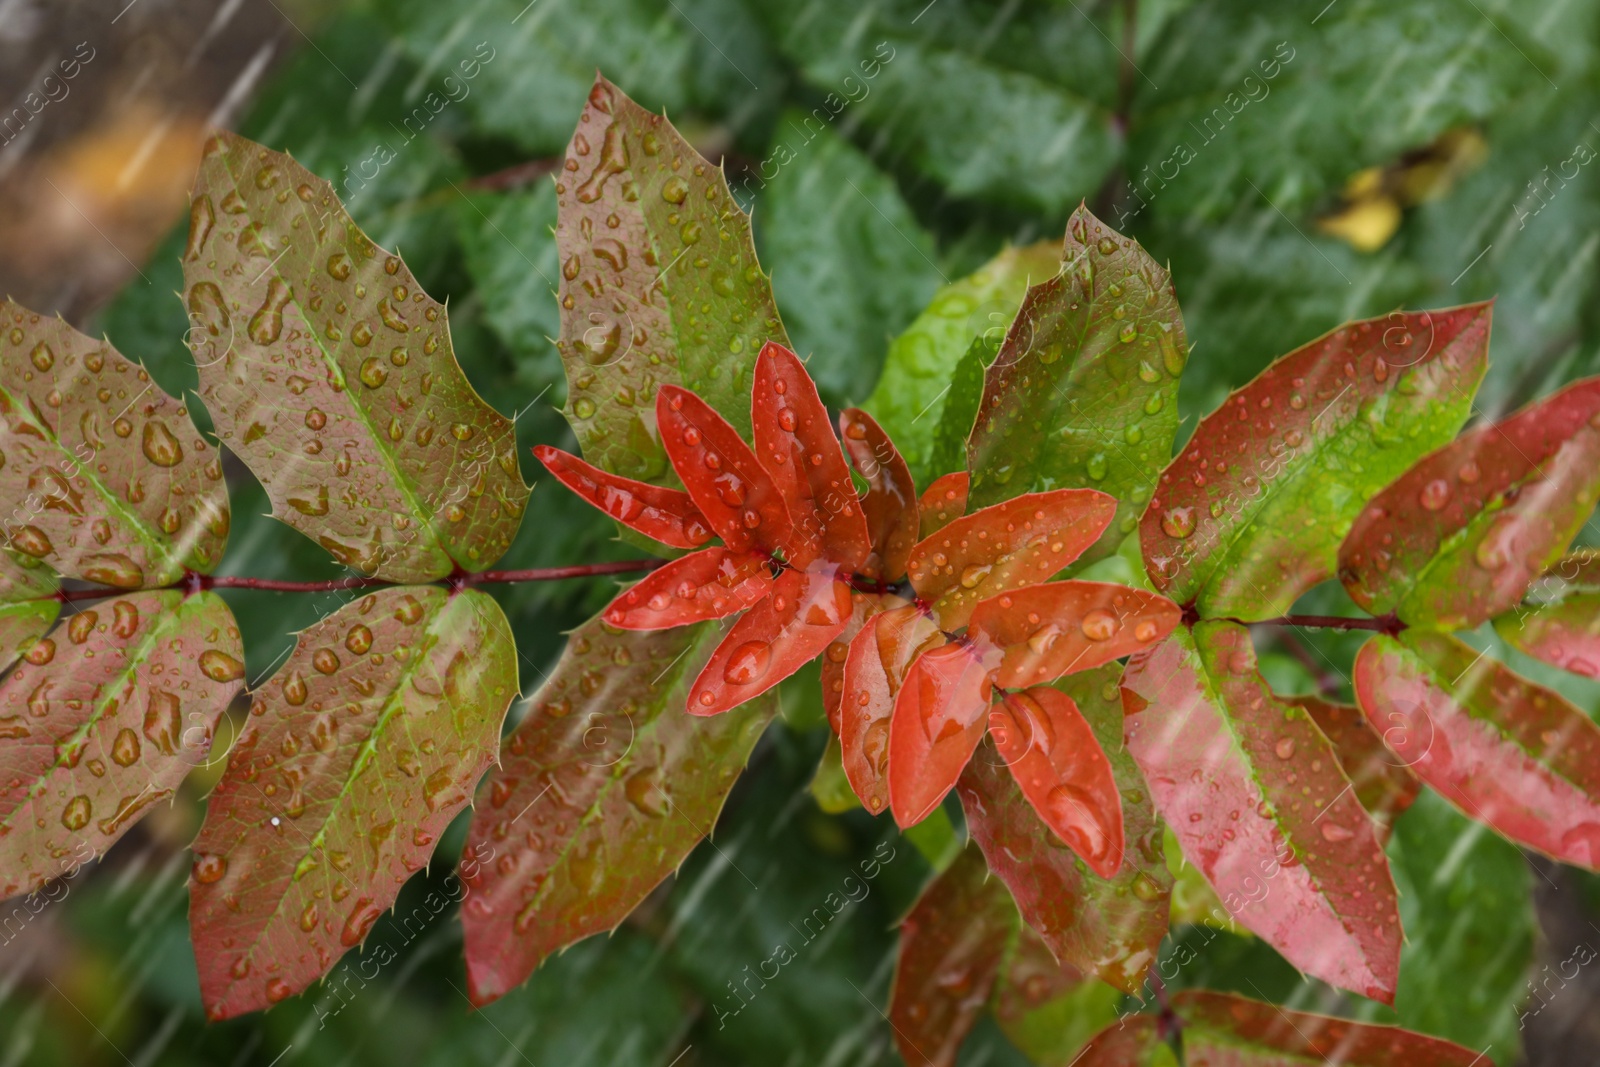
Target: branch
{"type": "Point", "coordinates": [1383, 624]}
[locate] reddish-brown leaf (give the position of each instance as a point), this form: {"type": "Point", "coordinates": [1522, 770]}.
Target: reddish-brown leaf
{"type": "Point", "coordinates": [1020, 542]}
{"type": "Point", "coordinates": [710, 584]}
{"type": "Point", "coordinates": [1057, 762]}
{"type": "Point", "coordinates": [103, 719]}
{"type": "Point", "coordinates": [938, 720]}
{"type": "Point", "coordinates": [28, 604]}
{"type": "Point", "coordinates": [863, 608]}
{"type": "Point", "coordinates": [720, 472]}
{"type": "Point", "coordinates": [1565, 633]}
{"type": "Point", "coordinates": [1505, 751]}
{"type": "Point", "coordinates": [893, 519]}
{"type": "Point", "coordinates": [1109, 928]}
{"type": "Point", "coordinates": [600, 794]}
{"type": "Point", "coordinates": [943, 502]}
{"type": "Point", "coordinates": [666, 515]}
{"type": "Point", "coordinates": [796, 444]}
{"type": "Point", "coordinates": [1049, 1010]}
{"type": "Point", "coordinates": [1131, 1041]}
{"type": "Point", "coordinates": [1251, 513]}
{"type": "Point", "coordinates": [951, 947]}
{"type": "Point", "coordinates": [1459, 537]}
{"type": "Point", "coordinates": [1255, 795]}
{"type": "Point", "coordinates": [1382, 783]}
{"type": "Point", "coordinates": [1224, 1030]}
{"type": "Point", "coordinates": [1054, 629]}
{"type": "Point", "coordinates": [775, 638]}
{"type": "Point", "coordinates": [875, 666]}
{"type": "Point", "coordinates": [357, 754]}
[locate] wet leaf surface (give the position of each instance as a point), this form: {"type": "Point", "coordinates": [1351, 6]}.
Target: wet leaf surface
{"type": "Point", "coordinates": [28, 604]}
{"type": "Point", "coordinates": [1047, 1009]}
{"type": "Point", "coordinates": [666, 515]}
{"type": "Point", "coordinates": [1223, 1030]}
{"type": "Point", "coordinates": [876, 665]}
{"type": "Point", "coordinates": [939, 718]}
{"type": "Point", "coordinates": [1047, 631]}
{"type": "Point", "coordinates": [1385, 787]}
{"type": "Point", "coordinates": [943, 502]}
{"type": "Point", "coordinates": [890, 503]}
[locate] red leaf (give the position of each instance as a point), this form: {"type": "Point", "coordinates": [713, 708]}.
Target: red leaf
{"type": "Point", "coordinates": [1559, 620]}
{"type": "Point", "coordinates": [720, 472]}
{"type": "Point", "coordinates": [665, 515]}
{"type": "Point", "coordinates": [772, 640]}
{"type": "Point", "coordinates": [1382, 784]}
{"type": "Point", "coordinates": [1256, 798]}
{"type": "Point", "coordinates": [1250, 514]}
{"type": "Point", "coordinates": [938, 721]}
{"type": "Point", "coordinates": [891, 501]}
{"type": "Point", "coordinates": [943, 502]}
{"type": "Point", "coordinates": [1459, 536]}
{"type": "Point", "coordinates": [710, 584]}
{"type": "Point", "coordinates": [1057, 628]}
{"type": "Point", "coordinates": [1131, 1041]}
{"type": "Point", "coordinates": [795, 443]}
{"type": "Point", "coordinates": [1020, 542]}
{"type": "Point", "coordinates": [878, 659]}
{"type": "Point", "coordinates": [863, 608]}
{"type": "Point", "coordinates": [951, 948]}
{"type": "Point", "coordinates": [1223, 1030]}
{"type": "Point", "coordinates": [1057, 762]}
{"type": "Point", "coordinates": [1505, 751]}
{"type": "Point", "coordinates": [1108, 928]}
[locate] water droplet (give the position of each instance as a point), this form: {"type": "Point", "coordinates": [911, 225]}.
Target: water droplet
{"type": "Point", "coordinates": [971, 576]}
{"type": "Point", "coordinates": [325, 660]}
{"type": "Point", "coordinates": [125, 749]}
{"type": "Point", "coordinates": [1178, 522]}
{"type": "Point", "coordinates": [373, 373]}
{"type": "Point", "coordinates": [339, 266]}
{"type": "Point", "coordinates": [359, 921]}
{"type": "Point", "coordinates": [219, 666]}
{"type": "Point", "coordinates": [209, 868]}
{"type": "Point", "coordinates": [1099, 625]}
{"type": "Point", "coordinates": [748, 663]}
{"type": "Point", "coordinates": [1146, 630]}
{"type": "Point", "coordinates": [1128, 334]}
{"type": "Point", "coordinates": [645, 793]}
{"type": "Point", "coordinates": [1435, 495]}
{"type": "Point", "coordinates": [278, 990]}
{"type": "Point", "coordinates": [358, 640]}
{"type": "Point", "coordinates": [1333, 833]}
{"type": "Point", "coordinates": [1284, 748]}
{"type": "Point", "coordinates": [75, 816]}
{"type": "Point", "coordinates": [675, 190]}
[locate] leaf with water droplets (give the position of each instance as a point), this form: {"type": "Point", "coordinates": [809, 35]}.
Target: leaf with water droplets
{"type": "Point", "coordinates": [1260, 806]}
{"type": "Point", "coordinates": [356, 755]}
{"type": "Point", "coordinates": [710, 584]}
{"type": "Point", "coordinates": [112, 482]}
{"type": "Point", "coordinates": [943, 502]}
{"type": "Point", "coordinates": [961, 404]}
{"type": "Point", "coordinates": [28, 604]}
{"type": "Point", "coordinates": [952, 945]}
{"type": "Point", "coordinates": [910, 397]}
{"type": "Point", "coordinates": [723, 476]}
{"type": "Point", "coordinates": [890, 504]}
{"type": "Point", "coordinates": [1084, 391]}
{"type": "Point", "coordinates": [669, 516]}
{"type": "Point", "coordinates": [879, 657]}
{"type": "Point", "coordinates": [1459, 537]}
{"type": "Point", "coordinates": [1222, 1028]}
{"type": "Point", "coordinates": [659, 283]}
{"type": "Point", "coordinates": [1110, 928]}
{"type": "Point", "coordinates": [331, 374]}
{"type": "Point", "coordinates": [1049, 1010]}
{"type": "Point", "coordinates": [1560, 622]}
{"type": "Point", "coordinates": [1381, 782]}
{"type": "Point", "coordinates": [937, 722]}
{"type": "Point", "coordinates": [600, 794]}
{"type": "Point", "coordinates": [104, 718]}
{"type": "Point", "coordinates": [1050, 630]}
{"type": "Point", "coordinates": [1131, 1041]}
{"type": "Point", "coordinates": [1019, 542]}
{"type": "Point", "coordinates": [1503, 750]}
{"type": "Point", "coordinates": [1251, 513]}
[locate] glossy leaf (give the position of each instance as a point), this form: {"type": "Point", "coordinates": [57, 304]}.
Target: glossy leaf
{"type": "Point", "coordinates": [962, 402]}
{"type": "Point", "coordinates": [879, 658]}
{"type": "Point", "coordinates": [863, 607]}
{"type": "Point", "coordinates": [775, 638]}
{"type": "Point", "coordinates": [105, 477]}
{"type": "Point", "coordinates": [358, 752]}
{"type": "Point", "coordinates": [1019, 542]}
{"type": "Point", "coordinates": [943, 502]}
{"type": "Point", "coordinates": [1084, 390]}
{"type": "Point", "coordinates": [1381, 782]}
{"type": "Point", "coordinates": [1052, 753]}
{"type": "Point", "coordinates": [939, 716]}
{"type": "Point", "coordinates": [910, 396]}
{"type": "Point", "coordinates": [102, 720]}
{"type": "Point", "coordinates": [829, 786]}
{"type": "Point", "coordinates": [1109, 928]}
{"type": "Point", "coordinates": [1131, 1041]}
{"type": "Point", "coordinates": [890, 504]}
{"type": "Point", "coordinates": [1460, 536]}
{"type": "Point", "coordinates": [796, 445]}
{"type": "Point", "coordinates": [601, 793]}
{"type": "Point", "coordinates": [1565, 633]}
{"type": "Point", "coordinates": [1505, 751]}
{"type": "Point", "coordinates": [331, 374]}
{"type": "Point", "coordinates": [1251, 513]}
{"type": "Point", "coordinates": [670, 293]}
{"type": "Point", "coordinates": [952, 945]}
{"type": "Point", "coordinates": [28, 604]}
{"type": "Point", "coordinates": [666, 515]}
{"type": "Point", "coordinates": [1258, 802]}
{"type": "Point", "coordinates": [1046, 631]}
{"type": "Point", "coordinates": [710, 584]}
{"type": "Point", "coordinates": [723, 476]}
{"type": "Point", "coordinates": [1048, 1010]}
{"type": "Point", "coordinates": [1224, 1030]}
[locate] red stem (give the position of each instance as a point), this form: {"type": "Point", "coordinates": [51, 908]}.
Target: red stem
{"type": "Point", "coordinates": [1383, 624]}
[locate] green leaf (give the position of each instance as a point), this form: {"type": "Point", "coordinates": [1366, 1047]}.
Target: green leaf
{"type": "Point", "coordinates": [600, 794]}
{"type": "Point", "coordinates": [1556, 621]}
{"type": "Point", "coordinates": [910, 396]}
{"type": "Point", "coordinates": [358, 753]}
{"type": "Point", "coordinates": [1251, 513]}
{"type": "Point", "coordinates": [829, 786]}
{"type": "Point", "coordinates": [961, 407]}
{"type": "Point", "coordinates": [857, 266]}
{"type": "Point", "coordinates": [1131, 1041]}
{"type": "Point", "coordinates": [671, 293]}
{"type": "Point", "coordinates": [110, 479]}
{"type": "Point", "coordinates": [331, 374]}
{"type": "Point", "coordinates": [28, 604]}
{"type": "Point", "coordinates": [102, 720]}
{"type": "Point", "coordinates": [1047, 1009]}
{"type": "Point", "coordinates": [1084, 391]}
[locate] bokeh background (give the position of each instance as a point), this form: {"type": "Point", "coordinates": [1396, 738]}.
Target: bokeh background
{"type": "Point", "coordinates": [1400, 153]}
